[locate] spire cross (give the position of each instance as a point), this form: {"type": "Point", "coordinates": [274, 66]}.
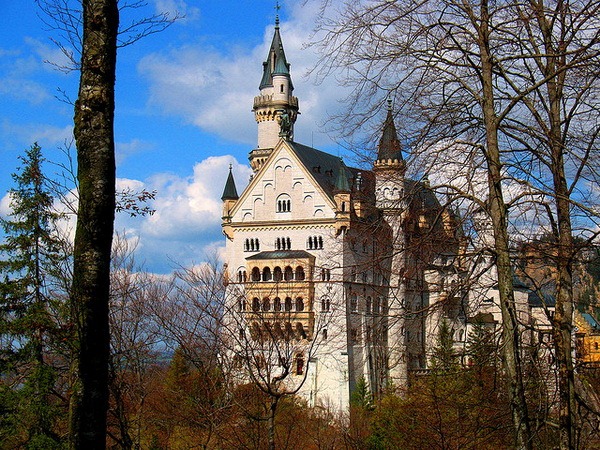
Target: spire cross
{"type": "Point", "coordinates": [277, 8]}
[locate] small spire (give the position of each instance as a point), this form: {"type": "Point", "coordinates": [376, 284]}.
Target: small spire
{"type": "Point", "coordinates": [230, 191]}
{"type": "Point", "coordinates": [341, 182]}
{"type": "Point", "coordinates": [389, 144]}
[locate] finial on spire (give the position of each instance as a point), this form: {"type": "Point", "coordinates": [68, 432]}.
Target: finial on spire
{"type": "Point", "coordinates": [277, 8]}
{"type": "Point", "coordinates": [230, 166]}
{"type": "Point", "coordinates": [389, 103]}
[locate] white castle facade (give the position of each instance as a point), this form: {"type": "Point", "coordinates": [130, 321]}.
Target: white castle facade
{"type": "Point", "coordinates": [337, 275]}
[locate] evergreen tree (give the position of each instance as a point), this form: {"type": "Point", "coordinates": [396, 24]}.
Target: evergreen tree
{"type": "Point", "coordinates": [444, 356]}
{"type": "Point", "coordinates": [29, 261]}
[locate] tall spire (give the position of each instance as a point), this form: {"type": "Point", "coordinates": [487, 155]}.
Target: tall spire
{"type": "Point", "coordinates": [276, 63]}
{"type": "Point", "coordinates": [275, 108]}
{"type": "Point", "coordinates": [389, 144]}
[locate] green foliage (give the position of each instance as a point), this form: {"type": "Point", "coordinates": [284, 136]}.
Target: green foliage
{"type": "Point", "coordinates": [361, 396]}
{"type": "Point", "coordinates": [30, 262]}
{"type": "Point", "coordinates": [444, 357]}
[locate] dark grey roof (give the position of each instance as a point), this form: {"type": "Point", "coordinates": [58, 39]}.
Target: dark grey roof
{"type": "Point", "coordinates": [535, 300]}
{"type": "Point", "coordinates": [276, 63]}
{"type": "Point", "coordinates": [591, 321]}
{"type": "Point", "coordinates": [325, 168]}
{"type": "Point", "coordinates": [281, 254]}
{"type": "Point", "coordinates": [230, 192]}
{"type": "Point", "coordinates": [389, 144]}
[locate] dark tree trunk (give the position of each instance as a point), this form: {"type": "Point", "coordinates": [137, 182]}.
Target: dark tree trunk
{"type": "Point", "coordinates": [499, 215]}
{"type": "Point", "coordinates": [94, 117]}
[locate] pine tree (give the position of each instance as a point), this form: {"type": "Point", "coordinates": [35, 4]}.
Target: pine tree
{"type": "Point", "coordinates": [29, 261]}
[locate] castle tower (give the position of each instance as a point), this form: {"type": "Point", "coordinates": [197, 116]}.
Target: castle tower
{"type": "Point", "coordinates": [390, 169]}
{"type": "Point", "coordinates": [275, 108]}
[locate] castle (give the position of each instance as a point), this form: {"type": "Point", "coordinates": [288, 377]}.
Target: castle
{"type": "Point", "coordinates": [336, 275]}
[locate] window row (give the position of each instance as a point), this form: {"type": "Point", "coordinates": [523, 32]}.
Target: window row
{"type": "Point", "coordinates": [284, 243]}
{"type": "Point", "coordinates": [325, 274]}
{"type": "Point", "coordinates": [252, 245]}
{"type": "Point", "coordinates": [268, 331]}
{"type": "Point", "coordinates": [288, 274]}
{"type": "Point", "coordinates": [276, 305]}
{"type": "Point", "coordinates": [372, 305]}
{"type": "Point", "coordinates": [284, 205]}
{"type": "Point", "coordinates": [315, 243]}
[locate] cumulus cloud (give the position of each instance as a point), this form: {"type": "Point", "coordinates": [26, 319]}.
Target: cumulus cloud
{"type": "Point", "coordinates": [186, 225]}
{"type": "Point", "coordinates": [215, 90]}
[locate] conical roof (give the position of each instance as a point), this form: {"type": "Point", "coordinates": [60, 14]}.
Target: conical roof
{"type": "Point", "coordinates": [230, 191]}
{"type": "Point", "coordinates": [276, 63]}
{"type": "Point", "coordinates": [389, 144]}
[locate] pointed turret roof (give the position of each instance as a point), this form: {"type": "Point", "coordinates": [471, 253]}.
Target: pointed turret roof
{"type": "Point", "coordinates": [230, 192]}
{"type": "Point", "coordinates": [276, 63]}
{"type": "Point", "coordinates": [389, 145]}
{"type": "Point", "coordinates": [341, 183]}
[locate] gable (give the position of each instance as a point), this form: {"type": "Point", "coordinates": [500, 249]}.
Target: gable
{"type": "Point", "coordinates": [283, 190]}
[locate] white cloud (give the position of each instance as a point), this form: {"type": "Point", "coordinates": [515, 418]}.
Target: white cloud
{"type": "Point", "coordinates": [215, 91]}
{"type": "Point", "coordinates": [186, 227]}
{"type": "Point", "coordinates": [176, 8]}
{"type": "Point", "coordinates": [5, 208]}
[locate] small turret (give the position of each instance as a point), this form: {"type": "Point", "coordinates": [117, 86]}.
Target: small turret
{"type": "Point", "coordinates": [389, 167]}
{"type": "Point", "coordinates": [342, 197]}
{"type": "Point", "coordinates": [229, 198]}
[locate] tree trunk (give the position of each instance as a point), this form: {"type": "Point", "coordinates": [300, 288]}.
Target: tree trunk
{"type": "Point", "coordinates": [499, 214]}
{"type": "Point", "coordinates": [94, 135]}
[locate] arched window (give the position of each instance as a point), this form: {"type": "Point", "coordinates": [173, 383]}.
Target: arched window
{"type": "Point", "coordinates": [300, 333]}
{"type": "Point", "coordinates": [369, 304]}
{"type": "Point", "coordinates": [288, 274]}
{"type": "Point", "coordinates": [289, 243]}
{"type": "Point", "coordinates": [288, 304]}
{"type": "Point", "coordinates": [267, 274]}
{"type": "Point", "coordinates": [325, 303]}
{"type": "Point", "coordinates": [256, 244]}
{"type": "Point", "coordinates": [353, 302]}
{"type": "Point", "coordinates": [377, 305]}
{"type": "Point", "coordinates": [299, 273]}
{"type": "Point", "coordinates": [266, 306]}
{"type": "Point", "coordinates": [278, 244]}
{"type": "Point", "coordinates": [277, 304]}
{"type": "Point", "coordinates": [284, 204]}
{"type": "Point", "coordinates": [247, 245]}
{"type": "Point", "coordinates": [255, 274]}
{"type": "Point", "coordinates": [320, 242]}
{"type": "Point", "coordinates": [255, 304]}
{"type": "Point", "coordinates": [299, 304]}
{"type": "Point", "coordinates": [242, 304]}
{"type": "Point", "coordinates": [309, 244]}
{"type": "Point", "coordinates": [324, 334]}
{"type": "Point", "coordinates": [277, 274]}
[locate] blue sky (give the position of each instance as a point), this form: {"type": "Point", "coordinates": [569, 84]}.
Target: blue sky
{"type": "Point", "coordinates": [183, 111]}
